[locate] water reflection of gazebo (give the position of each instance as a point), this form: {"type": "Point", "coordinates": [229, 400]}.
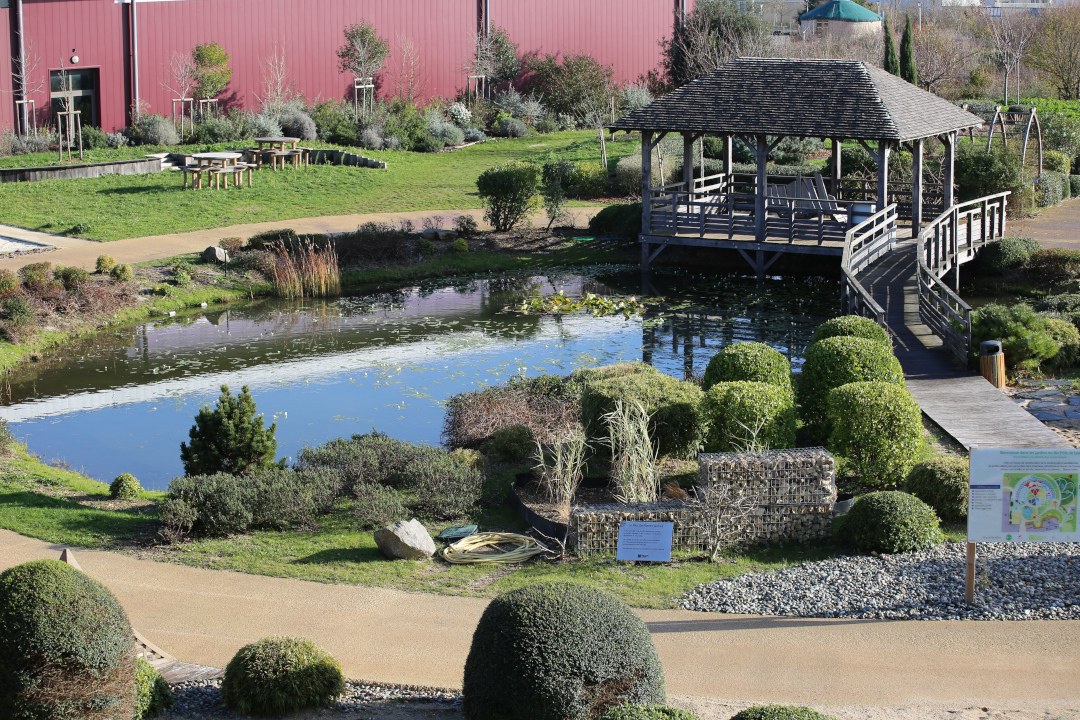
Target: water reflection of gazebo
{"type": "Point", "coordinates": [762, 101]}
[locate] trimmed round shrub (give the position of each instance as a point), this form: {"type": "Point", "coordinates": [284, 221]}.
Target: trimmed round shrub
{"type": "Point", "coordinates": [125, 487]}
{"type": "Point", "coordinates": [35, 275]}
{"type": "Point", "coordinates": [278, 675]}
{"type": "Point", "coordinates": [646, 712]}
{"type": "Point", "coordinates": [1007, 254]}
{"type": "Point", "coordinates": [428, 143]}
{"type": "Point", "coordinates": [748, 415]}
{"type": "Point", "coordinates": [780, 712]}
{"type": "Point", "coordinates": [298, 124]}
{"type": "Point", "coordinates": [511, 128]}
{"type": "Point", "coordinates": [891, 522]}
{"type": "Point", "coordinates": [104, 264]}
{"type": "Point", "coordinates": [942, 483]}
{"type": "Point", "coordinates": [1050, 266]}
{"type": "Point", "coordinates": [559, 651]}
{"type": "Point", "coordinates": [675, 405]}
{"type": "Point", "coordinates": [72, 278]}
{"type": "Point", "coordinates": [751, 361]}
{"type": "Point", "coordinates": [837, 361]}
{"type": "Point", "coordinates": [851, 326]}
{"type": "Point", "coordinates": [512, 443]}
{"type": "Point", "coordinates": [152, 694]}
{"type": "Point", "coordinates": [460, 245]}
{"type": "Point", "coordinates": [65, 645]}
{"type": "Point", "coordinates": [122, 273]}
{"type": "Point", "coordinates": [877, 428]}
{"type": "Point", "coordinates": [509, 193]}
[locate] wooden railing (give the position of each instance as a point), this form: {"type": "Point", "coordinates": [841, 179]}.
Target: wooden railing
{"type": "Point", "coordinates": [863, 244]}
{"type": "Point", "coordinates": [944, 244]}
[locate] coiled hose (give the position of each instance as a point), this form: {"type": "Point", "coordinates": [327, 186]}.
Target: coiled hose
{"type": "Point", "coordinates": [464, 551]}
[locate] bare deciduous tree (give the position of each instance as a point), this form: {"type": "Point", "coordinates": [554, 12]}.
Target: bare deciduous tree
{"type": "Point", "coordinates": [25, 79]}
{"type": "Point", "coordinates": [940, 55]}
{"type": "Point", "coordinates": [1056, 50]}
{"type": "Point", "coordinates": [277, 90]}
{"type": "Point", "coordinates": [1010, 34]}
{"type": "Point", "coordinates": [410, 76]}
{"type": "Point", "coordinates": [181, 77]}
{"type": "Point", "coordinates": [722, 515]}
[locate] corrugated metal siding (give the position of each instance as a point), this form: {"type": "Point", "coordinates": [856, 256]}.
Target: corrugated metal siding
{"type": "Point", "coordinates": [7, 105]}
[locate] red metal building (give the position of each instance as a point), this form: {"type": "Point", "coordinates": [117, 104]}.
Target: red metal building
{"type": "Point", "coordinates": [117, 51]}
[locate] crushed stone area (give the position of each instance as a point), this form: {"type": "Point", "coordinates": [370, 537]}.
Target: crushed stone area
{"type": "Point", "coordinates": [1028, 581]}
{"type": "Point", "coordinates": [1053, 402]}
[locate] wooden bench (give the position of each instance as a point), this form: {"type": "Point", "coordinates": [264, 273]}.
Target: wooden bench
{"type": "Point", "coordinates": [232, 171]}
{"type": "Point", "coordinates": [196, 173]}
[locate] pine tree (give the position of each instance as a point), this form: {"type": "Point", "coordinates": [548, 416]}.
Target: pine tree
{"type": "Point", "coordinates": [229, 438]}
{"type": "Point", "coordinates": [907, 54]}
{"type": "Point", "coordinates": [892, 60]}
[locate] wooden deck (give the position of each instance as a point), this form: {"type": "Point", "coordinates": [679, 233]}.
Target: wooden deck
{"type": "Point", "coordinates": [965, 405]}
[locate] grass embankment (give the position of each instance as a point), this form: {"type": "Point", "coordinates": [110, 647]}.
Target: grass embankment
{"type": "Point", "coordinates": [123, 206]}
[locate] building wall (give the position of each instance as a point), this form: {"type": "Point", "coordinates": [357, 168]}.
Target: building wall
{"type": "Point", "coordinates": [624, 34]}
{"type": "Point", "coordinates": [7, 99]}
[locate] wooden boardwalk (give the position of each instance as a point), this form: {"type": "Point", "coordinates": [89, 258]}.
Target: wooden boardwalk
{"type": "Point", "coordinates": [965, 405]}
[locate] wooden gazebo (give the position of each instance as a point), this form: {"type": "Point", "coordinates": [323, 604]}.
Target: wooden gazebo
{"type": "Point", "coordinates": [762, 101]}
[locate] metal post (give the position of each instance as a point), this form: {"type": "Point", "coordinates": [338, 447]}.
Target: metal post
{"type": "Point", "coordinates": [916, 187]}
{"type": "Point", "coordinates": [134, 63]}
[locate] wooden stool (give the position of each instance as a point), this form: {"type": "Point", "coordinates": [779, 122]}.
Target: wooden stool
{"type": "Point", "coordinates": [196, 173]}
{"type": "Point", "coordinates": [276, 155]}
{"type": "Point", "coordinates": [227, 172]}
{"type": "Point", "coordinates": [242, 168]}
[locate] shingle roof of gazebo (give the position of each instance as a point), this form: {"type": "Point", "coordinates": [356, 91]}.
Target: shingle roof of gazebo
{"type": "Point", "coordinates": [804, 98]}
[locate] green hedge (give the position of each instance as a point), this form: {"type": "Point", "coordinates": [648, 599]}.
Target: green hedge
{"type": "Point", "coordinates": [152, 694]}
{"type": "Point", "coordinates": [742, 415]}
{"type": "Point", "coordinates": [851, 326]}
{"type": "Point", "coordinates": [749, 361]}
{"type": "Point", "coordinates": [1050, 266]}
{"type": "Point", "coordinates": [1007, 254]}
{"type": "Point", "coordinates": [559, 651]}
{"type": "Point", "coordinates": [942, 483]}
{"type": "Point", "coordinates": [278, 675]}
{"type": "Point", "coordinates": [890, 522]}
{"type": "Point", "coordinates": [622, 220]}
{"type": "Point", "coordinates": [675, 405]}
{"type": "Point", "coordinates": [1074, 186]}
{"type": "Point", "coordinates": [1051, 188]}
{"type": "Point", "coordinates": [877, 428]}
{"type": "Point", "coordinates": [837, 361]}
{"type": "Point", "coordinates": [1066, 306]}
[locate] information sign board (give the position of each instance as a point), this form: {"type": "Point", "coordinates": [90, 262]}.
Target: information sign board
{"type": "Point", "coordinates": [1023, 495]}
{"type": "Point", "coordinates": [644, 541]}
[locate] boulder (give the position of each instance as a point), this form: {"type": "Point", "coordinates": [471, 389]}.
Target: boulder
{"type": "Point", "coordinates": [432, 234]}
{"type": "Point", "coordinates": [214, 254]}
{"type": "Point", "coordinates": [406, 539]}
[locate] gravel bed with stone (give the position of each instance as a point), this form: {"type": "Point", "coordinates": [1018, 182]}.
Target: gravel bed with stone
{"type": "Point", "coordinates": [1029, 581]}
{"type": "Point", "coordinates": [202, 698]}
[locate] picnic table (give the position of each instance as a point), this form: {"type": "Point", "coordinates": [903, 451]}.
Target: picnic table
{"type": "Point", "coordinates": [217, 164]}
{"type": "Point", "coordinates": [275, 146]}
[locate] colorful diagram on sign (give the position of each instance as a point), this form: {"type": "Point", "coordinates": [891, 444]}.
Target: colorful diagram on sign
{"type": "Point", "coordinates": [1040, 502]}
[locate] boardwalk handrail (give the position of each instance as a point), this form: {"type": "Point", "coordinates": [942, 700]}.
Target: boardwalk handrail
{"type": "Point", "coordinates": [863, 244]}
{"type": "Point", "coordinates": [947, 242]}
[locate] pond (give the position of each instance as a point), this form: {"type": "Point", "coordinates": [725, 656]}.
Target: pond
{"type": "Point", "coordinates": [123, 399]}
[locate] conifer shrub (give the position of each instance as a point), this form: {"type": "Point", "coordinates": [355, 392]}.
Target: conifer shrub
{"type": "Point", "coordinates": [104, 264]}
{"type": "Point", "coordinates": [675, 405]}
{"type": "Point", "coordinates": [851, 326]}
{"type": "Point", "coordinates": [125, 487]}
{"type": "Point", "coordinates": [65, 646]}
{"type": "Point", "coordinates": [152, 694]}
{"type": "Point", "coordinates": [278, 675]}
{"type": "Point", "coordinates": [749, 416]}
{"type": "Point", "coordinates": [1024, 334]}
{"type": "Point", "coordinates": [890, 522]}
{"type": "Point", "coordinates": [559, 651]}
{"type": "Point", "coordinates": [122, 273]}
{"type": "Point", "coordinates": [877, 428]}
{"type": "Point", "coordinates": [229, 438]}
{"type": "Point", "coordinates": [749, 361]}
{"type": "Point", "coordinates": [837, 361]}
{"type": "Point", "coordinates": [942, 483]}
{"type": "Point", "coordinates": [780, 712]}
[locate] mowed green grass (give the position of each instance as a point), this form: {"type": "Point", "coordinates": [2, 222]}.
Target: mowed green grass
{"type": "Point", "coordinates": [123, 206]}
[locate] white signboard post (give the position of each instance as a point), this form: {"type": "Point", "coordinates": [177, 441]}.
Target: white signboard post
{"type": "Point", "coordinates": [644, 541]}
{"type": "Point", "coordinates": [1020, 496]}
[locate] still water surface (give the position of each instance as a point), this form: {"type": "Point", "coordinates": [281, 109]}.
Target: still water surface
{"type": "Point", "coordinates": [123, 399]}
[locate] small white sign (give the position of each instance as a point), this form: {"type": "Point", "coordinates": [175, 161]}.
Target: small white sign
{"type": "Point", "coordinates": [644, 541]}
{"type": "Point", "coordinates": [1023, 495]}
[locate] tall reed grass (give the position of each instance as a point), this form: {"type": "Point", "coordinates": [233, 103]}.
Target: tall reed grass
{"type": "Point", "coordinates": [634, 458]}
{"type": "Point", "coordinates": [562, 466]}
{"type": "Point", "coordinates": [306, 271]}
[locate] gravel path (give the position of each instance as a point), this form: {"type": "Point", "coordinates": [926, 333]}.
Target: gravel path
{"type": "Point", "coordinates": [1028, 581]}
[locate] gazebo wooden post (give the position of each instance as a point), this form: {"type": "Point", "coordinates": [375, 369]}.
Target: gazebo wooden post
{"type": "Point", "coordinates": [688, 163]}
{"type": "Point", "coordinates": [760, 153]}
{"type": "Point", "coordinates": [948, 172]}
{"type": "Point", "coordinates": [884, 147]}
{"type": "Point", "coordinates": [837, 145]}
{"type": "Point", "coordinates": [646, 193]}
{"type": "Point", "coordinates": [729, 140]}
{"type": "Point", "coordinates": [916, 186]}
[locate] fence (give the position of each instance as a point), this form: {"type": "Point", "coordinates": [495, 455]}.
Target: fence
{"type": "Point", "coordinates": [863, 244]}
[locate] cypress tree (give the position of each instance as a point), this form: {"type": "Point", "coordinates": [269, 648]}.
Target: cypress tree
{"type": "Point", "coordinates": [892, 60]}
{"type": "Point", "coordinates": [907, 54]}
{"type": "Point", "coordinates": [229, 438]}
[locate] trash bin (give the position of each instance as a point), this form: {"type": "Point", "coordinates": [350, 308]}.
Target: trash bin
{"type": "Point", "coordinates": [861, 212]}
{"type": "Point", "coordinates": [992, 362]}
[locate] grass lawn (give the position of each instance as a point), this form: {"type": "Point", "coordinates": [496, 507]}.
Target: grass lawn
{"type": "Point", "coordinates": [122, 206]}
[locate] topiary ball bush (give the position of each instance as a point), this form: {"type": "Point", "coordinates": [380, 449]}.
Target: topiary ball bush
{"type": "Point", "coordinates": [890, 521]}
{"type": "Point", "coordinates": [1007, 254]}
{"type": "Point", "coordinates": [851, 326]}
{"type": "Point", "coordinates": [780, 712]}
{"type": "Point", "coordinates": [121, 273]}
{"type": "Point", "coordinates": [646, 712]}
{"type": "Point", "coordinates": [559, 651]}
{"type": "Point", "coordinates": [152, 694]}
{"type": "Point", "coordinates": [104, 264]}
{"type": "Point", "coordinates": [278, 675]}
{"type": "Point", "coordinates": [744, 415]}
{"type": "Point", "coordinates": [65, 645]}
{"type": "Point", "coordinates": [877, 428]}
{"type": "Point", "coordinates": [125, 487]}
{"type": "Point", "coordinates": [942, 483]}
{"type": "Point", "coordinates": [749, 361]}
{"type": "Point", "coordinates": [837, 361]}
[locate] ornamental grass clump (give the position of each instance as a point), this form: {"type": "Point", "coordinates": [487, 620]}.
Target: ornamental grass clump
{"type": "Point", "coordinates": [838, 361]}
{"type": "Point", "coordinates": [877, 428]}
{"type": "Point", "coordinates": [749, 361]}
{"type": "Point", "coordinates": [942, 483]}
{"type": "Point", "coordinates": [561, 466]}
{"type": "Point", "coordinates": [549, 406]}
{"type": "Point", "coordinates": [306, 271]}
{"type": "Point", "coordinates": [851, 326]}
{"type": "Point", "coordinates": [749, 416]}
{"type": "Point", "coordinates": [65, 646]}
{"type": "Point", "coordinates": [278, 675]}
{"type": "Point", "coordinates": [890, 521]}
{"type": "Point", "coordinates": [559, 651]}
{"type": "Point", "coordinates": [635, 471]}
{"type": "Point", "coordinates": [125, 487]}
